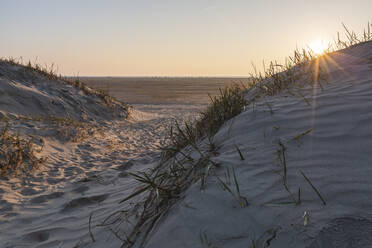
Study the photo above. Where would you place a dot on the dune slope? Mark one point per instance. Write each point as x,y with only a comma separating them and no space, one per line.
89,144
327,138
26,92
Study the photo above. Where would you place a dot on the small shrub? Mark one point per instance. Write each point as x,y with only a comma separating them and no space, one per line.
17,155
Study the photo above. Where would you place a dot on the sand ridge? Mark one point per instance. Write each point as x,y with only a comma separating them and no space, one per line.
80,178
329,140
65,202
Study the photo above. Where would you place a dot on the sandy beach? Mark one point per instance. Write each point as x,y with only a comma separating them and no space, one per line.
325,140
50,206
171,124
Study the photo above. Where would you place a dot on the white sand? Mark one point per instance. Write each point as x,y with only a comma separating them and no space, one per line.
336,156
52,207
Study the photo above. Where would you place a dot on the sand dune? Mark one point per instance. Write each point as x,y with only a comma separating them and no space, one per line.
335,154
51,206
83,179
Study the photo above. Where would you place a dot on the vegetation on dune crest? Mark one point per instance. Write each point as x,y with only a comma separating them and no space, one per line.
189,155
50,73
17,154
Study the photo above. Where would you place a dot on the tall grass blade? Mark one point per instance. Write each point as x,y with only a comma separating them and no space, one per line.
314,188
240,153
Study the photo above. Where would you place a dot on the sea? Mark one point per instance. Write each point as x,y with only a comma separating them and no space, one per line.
166,95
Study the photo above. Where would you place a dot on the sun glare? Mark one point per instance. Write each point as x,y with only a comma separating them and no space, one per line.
318,47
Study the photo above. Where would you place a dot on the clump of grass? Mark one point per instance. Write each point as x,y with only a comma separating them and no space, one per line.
302,68
352,38
162,186
222,108
17,155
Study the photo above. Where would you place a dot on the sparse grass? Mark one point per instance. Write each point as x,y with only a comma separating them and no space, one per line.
186,159
67,129
205,240
240,153
90,230
253,244
17,155
51,73
314,188
222,108
302,134
282,159
241,200
163,186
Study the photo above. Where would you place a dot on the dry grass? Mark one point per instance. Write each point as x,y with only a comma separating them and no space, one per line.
187,158
51,73
17,155
67,129
222,108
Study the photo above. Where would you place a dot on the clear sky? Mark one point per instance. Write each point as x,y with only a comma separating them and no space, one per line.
169,37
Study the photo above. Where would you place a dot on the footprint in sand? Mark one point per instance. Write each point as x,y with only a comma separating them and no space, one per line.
37,237
81,189
29,191
346,232
44,198
84,201
125,166
5,206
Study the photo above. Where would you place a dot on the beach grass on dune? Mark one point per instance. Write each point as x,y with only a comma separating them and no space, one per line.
17,155
187,157
17,152
51,73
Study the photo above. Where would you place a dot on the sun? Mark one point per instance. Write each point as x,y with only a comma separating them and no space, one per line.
318,47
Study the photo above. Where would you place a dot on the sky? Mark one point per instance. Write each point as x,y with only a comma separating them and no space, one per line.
169,37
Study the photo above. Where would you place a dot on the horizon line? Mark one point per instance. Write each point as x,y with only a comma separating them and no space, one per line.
139,76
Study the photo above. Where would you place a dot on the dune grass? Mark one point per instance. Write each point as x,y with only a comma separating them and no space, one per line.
17,155
180,166
229,103
51,73
282,158
187,158
68,129
314,188
241,200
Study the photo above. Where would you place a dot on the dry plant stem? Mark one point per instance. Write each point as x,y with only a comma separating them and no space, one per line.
284,163
240,153
302,134
90,230
314,188
243,202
